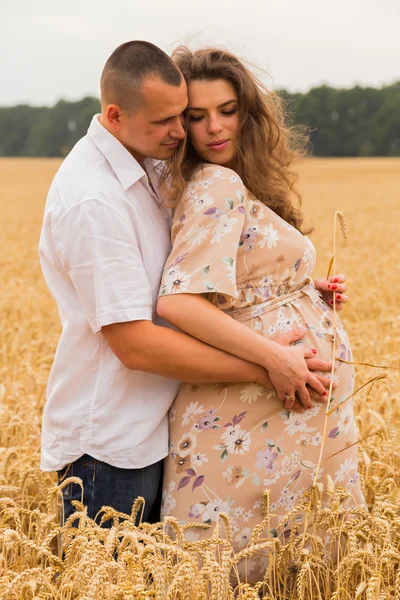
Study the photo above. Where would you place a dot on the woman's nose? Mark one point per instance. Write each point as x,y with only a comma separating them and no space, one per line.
214,125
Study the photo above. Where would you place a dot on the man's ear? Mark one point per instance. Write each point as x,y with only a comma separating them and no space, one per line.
112,116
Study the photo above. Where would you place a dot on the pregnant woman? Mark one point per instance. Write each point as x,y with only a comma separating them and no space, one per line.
240,273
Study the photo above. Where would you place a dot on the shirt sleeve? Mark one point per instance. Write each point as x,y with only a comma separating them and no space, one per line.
99,251
206,232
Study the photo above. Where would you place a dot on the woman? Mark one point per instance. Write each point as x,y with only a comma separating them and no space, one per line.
239,274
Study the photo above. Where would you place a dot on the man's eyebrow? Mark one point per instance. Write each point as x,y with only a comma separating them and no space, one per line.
219,106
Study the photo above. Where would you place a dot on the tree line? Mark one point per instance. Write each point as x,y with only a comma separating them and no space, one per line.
361,121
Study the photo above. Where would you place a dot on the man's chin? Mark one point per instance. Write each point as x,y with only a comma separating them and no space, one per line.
164,153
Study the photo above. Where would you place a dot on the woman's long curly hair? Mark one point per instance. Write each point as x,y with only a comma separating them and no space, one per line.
266,146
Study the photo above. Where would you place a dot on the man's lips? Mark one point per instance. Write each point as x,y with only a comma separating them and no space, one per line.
218,145
172,144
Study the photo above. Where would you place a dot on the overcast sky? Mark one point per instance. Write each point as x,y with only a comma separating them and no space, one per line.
52,49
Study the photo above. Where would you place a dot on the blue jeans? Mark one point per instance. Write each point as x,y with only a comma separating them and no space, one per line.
105,485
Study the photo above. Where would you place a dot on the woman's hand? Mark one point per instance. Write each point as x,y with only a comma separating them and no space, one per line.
290,375
313,364
333,285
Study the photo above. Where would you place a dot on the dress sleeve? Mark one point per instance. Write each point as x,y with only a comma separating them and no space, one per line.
206,233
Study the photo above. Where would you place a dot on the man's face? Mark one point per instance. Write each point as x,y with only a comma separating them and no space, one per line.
156,128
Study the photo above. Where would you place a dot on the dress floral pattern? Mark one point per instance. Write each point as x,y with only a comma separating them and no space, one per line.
229,442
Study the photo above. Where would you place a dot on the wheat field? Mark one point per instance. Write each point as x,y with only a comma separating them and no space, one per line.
343,556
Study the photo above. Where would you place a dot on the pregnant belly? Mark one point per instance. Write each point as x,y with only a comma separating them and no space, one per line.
257,402
316,317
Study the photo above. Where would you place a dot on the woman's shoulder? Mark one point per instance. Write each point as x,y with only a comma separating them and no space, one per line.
208,174
215,189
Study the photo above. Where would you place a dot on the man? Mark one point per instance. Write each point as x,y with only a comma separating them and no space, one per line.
104,242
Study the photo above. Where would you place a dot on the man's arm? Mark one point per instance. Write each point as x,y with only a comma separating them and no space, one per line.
144,346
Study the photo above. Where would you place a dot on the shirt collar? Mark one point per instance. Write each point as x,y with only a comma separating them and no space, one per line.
126,168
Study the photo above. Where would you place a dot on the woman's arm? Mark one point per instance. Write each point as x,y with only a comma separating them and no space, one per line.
286,366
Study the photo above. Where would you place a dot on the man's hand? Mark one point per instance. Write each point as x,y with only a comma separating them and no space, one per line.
333,285
314,364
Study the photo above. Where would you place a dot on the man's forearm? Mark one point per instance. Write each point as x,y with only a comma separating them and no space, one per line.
144,346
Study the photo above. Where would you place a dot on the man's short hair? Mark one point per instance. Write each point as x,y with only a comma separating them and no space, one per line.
127,68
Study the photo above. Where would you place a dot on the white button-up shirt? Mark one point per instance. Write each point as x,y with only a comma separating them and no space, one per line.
103,246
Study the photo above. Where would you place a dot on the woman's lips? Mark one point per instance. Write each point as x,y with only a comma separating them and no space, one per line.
218,146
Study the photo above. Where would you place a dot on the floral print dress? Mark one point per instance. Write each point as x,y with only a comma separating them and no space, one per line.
229,442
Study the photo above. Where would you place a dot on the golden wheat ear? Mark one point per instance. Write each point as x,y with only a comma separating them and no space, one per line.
343,224
339,216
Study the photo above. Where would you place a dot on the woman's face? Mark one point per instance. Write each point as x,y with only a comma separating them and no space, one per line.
213,113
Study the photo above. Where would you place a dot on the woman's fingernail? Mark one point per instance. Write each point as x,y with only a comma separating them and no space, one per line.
313,350
329,285
338,296
334,287
336,280
330,301
324,394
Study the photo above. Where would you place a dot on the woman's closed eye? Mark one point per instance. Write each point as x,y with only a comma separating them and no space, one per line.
196,118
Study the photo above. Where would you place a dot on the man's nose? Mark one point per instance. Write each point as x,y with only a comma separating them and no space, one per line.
178,130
